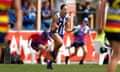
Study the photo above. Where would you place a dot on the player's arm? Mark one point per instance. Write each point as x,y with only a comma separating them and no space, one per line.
18,12
90,36
46,15
74,29
101,12
68,26
54,25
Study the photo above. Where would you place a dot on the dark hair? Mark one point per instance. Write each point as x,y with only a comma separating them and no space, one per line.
62,6
87,3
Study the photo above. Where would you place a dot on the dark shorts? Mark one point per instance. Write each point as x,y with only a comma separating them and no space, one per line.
35,45
2,37
51,33
78,44
113,36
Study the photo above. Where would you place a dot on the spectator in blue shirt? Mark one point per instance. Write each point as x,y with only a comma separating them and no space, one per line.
12,19
29,17
45,16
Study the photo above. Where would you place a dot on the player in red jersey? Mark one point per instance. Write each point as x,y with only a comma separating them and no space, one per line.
39,42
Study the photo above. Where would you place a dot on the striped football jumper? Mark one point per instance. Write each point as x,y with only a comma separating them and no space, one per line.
113,17
4,19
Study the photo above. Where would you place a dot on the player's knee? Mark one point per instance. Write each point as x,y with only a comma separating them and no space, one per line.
84,50
118,56
115,56
75,53
60,44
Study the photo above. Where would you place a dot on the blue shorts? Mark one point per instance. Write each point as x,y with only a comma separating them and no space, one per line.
2,37
113,36
35,45
78,44
51,33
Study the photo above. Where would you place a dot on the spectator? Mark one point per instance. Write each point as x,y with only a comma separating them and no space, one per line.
88,12
12,19
79,9
29,11
45,16
24,5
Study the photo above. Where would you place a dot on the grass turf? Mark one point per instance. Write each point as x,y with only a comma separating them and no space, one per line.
57,68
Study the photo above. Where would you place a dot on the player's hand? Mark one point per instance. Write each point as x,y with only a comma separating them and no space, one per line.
99,30
18,26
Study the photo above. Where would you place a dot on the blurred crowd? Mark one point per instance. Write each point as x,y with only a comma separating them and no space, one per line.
29,8
86,11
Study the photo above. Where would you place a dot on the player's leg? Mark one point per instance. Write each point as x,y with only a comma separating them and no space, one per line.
47,57
38,47
115,56
76,45
0,55
67,57
114,40
84,54
42,50
49,60
75,53
58,42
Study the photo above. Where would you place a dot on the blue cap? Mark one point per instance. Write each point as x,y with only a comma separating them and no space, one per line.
86,20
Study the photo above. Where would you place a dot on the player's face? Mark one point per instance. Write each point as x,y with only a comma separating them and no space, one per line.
47,4
84,23
65,10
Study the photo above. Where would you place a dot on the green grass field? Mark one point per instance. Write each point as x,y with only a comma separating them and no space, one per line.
57,68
